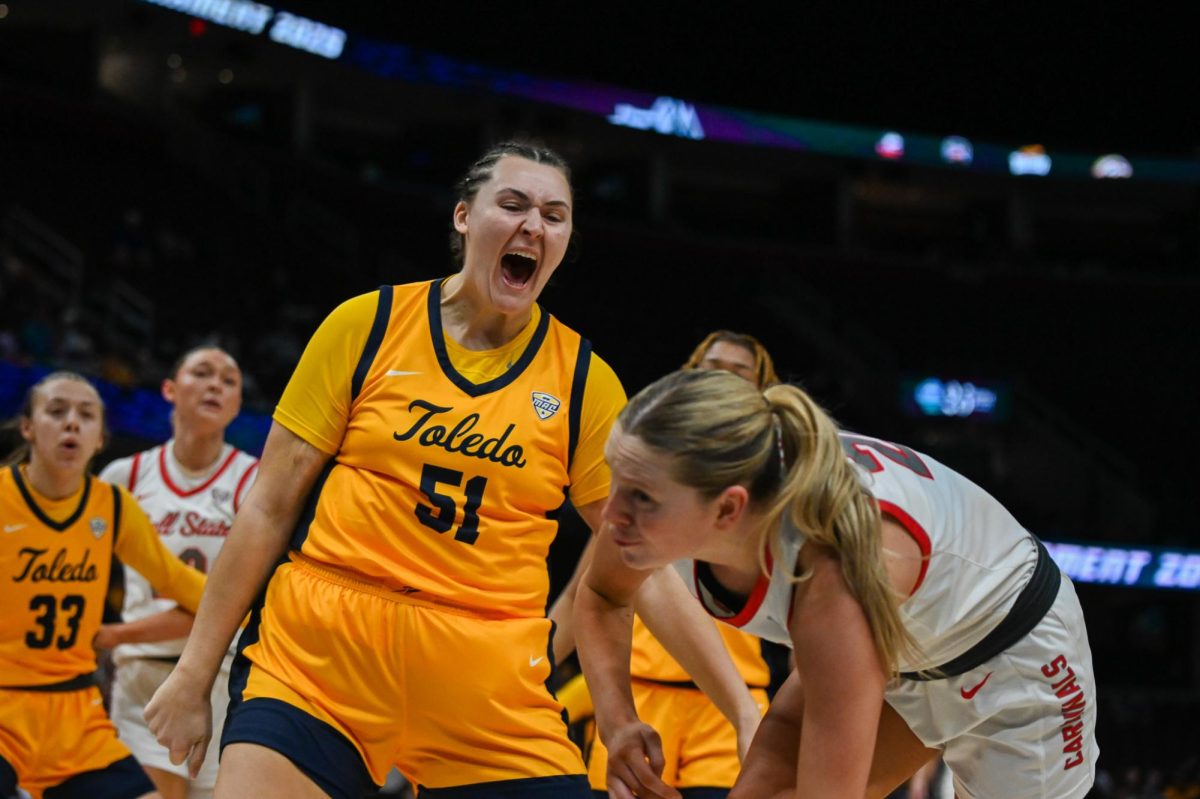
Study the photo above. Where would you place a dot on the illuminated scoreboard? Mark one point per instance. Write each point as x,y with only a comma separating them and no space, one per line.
1143,567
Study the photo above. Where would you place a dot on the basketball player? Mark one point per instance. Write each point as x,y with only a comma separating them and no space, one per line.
923,617
61,528
191,487
700,745
413,476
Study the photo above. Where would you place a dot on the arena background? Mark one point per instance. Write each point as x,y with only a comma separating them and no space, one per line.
170,174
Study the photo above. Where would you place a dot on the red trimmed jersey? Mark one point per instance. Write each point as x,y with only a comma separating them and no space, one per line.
978,556
192,515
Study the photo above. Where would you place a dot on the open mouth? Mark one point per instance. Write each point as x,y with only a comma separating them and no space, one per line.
517,268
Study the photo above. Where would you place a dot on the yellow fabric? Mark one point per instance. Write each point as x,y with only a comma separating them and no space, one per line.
435,490
49,737
699,744
455,698
649,660
56,581
577,699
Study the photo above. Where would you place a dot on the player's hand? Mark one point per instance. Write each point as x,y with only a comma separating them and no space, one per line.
180,717
108,636
635,764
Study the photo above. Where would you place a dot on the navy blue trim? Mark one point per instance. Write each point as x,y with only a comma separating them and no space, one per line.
42,517
116,514
570,786
322,753
300,534
1032,604
123,779
79,682
583,360
383,311
434,306
8,778
704,793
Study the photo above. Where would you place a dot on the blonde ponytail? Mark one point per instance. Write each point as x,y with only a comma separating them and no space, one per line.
824,499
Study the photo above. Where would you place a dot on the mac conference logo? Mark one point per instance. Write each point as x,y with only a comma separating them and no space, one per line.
546,405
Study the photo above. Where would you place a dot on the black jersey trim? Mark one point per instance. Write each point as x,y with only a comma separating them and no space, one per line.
583,362
116,514
37,511
1031,606
466,386
383,311
300,533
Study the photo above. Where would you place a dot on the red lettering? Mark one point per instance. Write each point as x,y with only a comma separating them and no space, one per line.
1074,706
1070,688
1072,731
1054,666
195,524
1072,762
1076,745
1070,676
167,522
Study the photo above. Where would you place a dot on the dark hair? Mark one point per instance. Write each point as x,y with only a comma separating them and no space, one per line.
480,172
764,367
207,345
20,453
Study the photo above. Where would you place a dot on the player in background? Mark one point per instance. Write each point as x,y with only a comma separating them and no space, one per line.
61,528
923,617
411,483
190,487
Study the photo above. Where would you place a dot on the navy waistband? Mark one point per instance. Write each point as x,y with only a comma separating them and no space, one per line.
1031,606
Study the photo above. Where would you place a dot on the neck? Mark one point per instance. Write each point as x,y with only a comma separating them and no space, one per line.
736,560
196,452
51,483
470,321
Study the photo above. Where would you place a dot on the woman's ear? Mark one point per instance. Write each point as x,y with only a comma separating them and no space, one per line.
461,212
731,505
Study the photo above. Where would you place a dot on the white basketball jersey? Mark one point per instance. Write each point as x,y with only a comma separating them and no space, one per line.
192,514
978,556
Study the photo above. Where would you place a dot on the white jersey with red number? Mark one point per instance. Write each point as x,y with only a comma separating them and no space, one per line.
192,513
978,556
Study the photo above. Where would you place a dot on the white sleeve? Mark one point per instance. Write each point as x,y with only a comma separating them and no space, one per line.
118,472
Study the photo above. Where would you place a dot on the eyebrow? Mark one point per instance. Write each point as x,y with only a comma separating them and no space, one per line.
525,197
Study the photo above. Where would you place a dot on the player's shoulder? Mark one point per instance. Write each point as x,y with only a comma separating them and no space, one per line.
120,471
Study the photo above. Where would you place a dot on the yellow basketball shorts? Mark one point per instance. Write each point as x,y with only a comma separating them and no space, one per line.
699,743
450,697
63,743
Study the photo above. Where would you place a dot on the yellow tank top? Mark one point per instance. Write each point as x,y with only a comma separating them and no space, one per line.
55,560
439,486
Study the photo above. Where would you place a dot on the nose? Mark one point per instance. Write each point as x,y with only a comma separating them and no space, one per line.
614,512
533,224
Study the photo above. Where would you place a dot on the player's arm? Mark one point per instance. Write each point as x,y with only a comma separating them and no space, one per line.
842,680
769,768
257,539
604,629
166,625
677,620
562,612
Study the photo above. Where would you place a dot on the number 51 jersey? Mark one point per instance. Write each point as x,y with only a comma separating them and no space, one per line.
441,487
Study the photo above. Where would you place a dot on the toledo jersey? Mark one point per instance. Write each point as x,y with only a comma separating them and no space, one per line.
441,487
978,557
192,516
55,559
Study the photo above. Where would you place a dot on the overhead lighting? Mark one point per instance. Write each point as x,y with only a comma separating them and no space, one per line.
890,146
1029,160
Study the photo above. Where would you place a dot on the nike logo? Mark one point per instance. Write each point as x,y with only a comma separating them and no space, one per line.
12,528
398,373
534,661
970,693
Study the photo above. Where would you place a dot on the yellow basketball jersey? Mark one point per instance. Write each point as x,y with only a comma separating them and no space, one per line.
649,660
55,559
442,487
